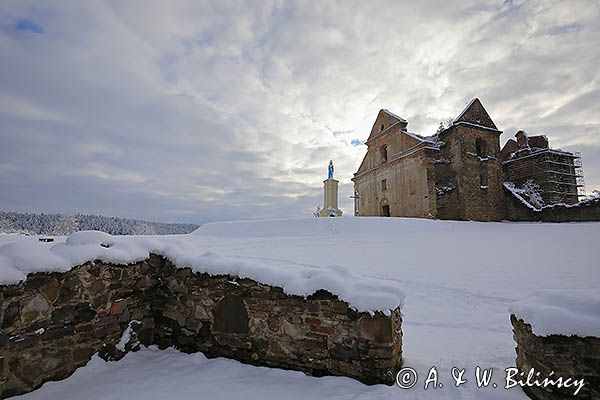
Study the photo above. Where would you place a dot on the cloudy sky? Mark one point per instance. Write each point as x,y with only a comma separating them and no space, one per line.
197,111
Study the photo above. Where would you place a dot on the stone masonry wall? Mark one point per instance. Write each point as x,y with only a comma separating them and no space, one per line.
259,324
517,211
52,323
567,356
478,177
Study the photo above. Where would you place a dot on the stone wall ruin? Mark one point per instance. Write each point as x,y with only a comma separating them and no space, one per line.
566,356
53,322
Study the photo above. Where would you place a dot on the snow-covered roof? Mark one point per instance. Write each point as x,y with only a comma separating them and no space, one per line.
527,152
561,312
520,195
394,115
433,139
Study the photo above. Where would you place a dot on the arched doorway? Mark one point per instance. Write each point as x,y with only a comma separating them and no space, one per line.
385,208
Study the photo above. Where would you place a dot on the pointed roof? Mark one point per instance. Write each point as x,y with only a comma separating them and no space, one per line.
388,112
475,114
384,121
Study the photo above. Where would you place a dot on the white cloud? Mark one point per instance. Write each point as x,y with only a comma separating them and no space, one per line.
188,111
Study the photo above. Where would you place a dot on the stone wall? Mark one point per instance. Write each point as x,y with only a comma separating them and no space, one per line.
517,211
477,193
567,356
52,323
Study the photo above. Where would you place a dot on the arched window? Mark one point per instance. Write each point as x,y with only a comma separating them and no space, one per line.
384,153
382,128
480,147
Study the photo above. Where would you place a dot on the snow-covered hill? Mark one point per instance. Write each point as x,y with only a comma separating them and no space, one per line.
460,279
65,224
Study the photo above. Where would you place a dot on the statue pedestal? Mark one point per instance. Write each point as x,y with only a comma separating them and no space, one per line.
330,199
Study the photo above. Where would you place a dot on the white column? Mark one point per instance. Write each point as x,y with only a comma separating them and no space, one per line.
330,198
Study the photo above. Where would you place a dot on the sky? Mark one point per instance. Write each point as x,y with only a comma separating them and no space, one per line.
195,111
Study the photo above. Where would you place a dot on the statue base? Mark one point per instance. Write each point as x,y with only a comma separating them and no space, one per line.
330,199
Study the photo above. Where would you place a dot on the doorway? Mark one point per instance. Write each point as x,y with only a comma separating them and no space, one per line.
385,210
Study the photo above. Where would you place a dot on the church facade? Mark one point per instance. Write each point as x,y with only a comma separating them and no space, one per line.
459,173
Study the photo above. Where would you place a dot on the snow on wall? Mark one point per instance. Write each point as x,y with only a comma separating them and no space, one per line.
530,190
561,312
19,258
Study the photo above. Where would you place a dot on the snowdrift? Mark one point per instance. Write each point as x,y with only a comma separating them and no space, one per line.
561,312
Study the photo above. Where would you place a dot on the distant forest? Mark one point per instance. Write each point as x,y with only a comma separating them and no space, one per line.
65,224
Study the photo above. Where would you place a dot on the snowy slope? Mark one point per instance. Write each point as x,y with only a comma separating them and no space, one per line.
460,279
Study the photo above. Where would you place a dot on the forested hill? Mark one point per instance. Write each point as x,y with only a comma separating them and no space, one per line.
65,224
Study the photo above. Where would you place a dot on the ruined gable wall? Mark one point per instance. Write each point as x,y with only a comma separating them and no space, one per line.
396,143
408,189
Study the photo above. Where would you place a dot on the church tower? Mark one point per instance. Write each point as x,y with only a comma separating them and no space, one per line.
472,167
330,195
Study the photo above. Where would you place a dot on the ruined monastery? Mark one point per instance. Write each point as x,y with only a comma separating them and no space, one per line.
461,173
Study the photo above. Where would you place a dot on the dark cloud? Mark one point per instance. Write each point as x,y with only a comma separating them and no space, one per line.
196,111
28,25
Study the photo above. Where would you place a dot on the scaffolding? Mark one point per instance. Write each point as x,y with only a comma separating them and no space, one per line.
579,174
558,173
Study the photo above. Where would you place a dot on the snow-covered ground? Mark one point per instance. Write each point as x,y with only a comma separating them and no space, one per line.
459,278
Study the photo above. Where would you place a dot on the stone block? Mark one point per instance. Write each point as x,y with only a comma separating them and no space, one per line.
313,306
11,314
84,313
9,389
117,307
70,287
50,289
35,281
83,354
230,315
376,328
345,353
322,329
340,307
63,315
